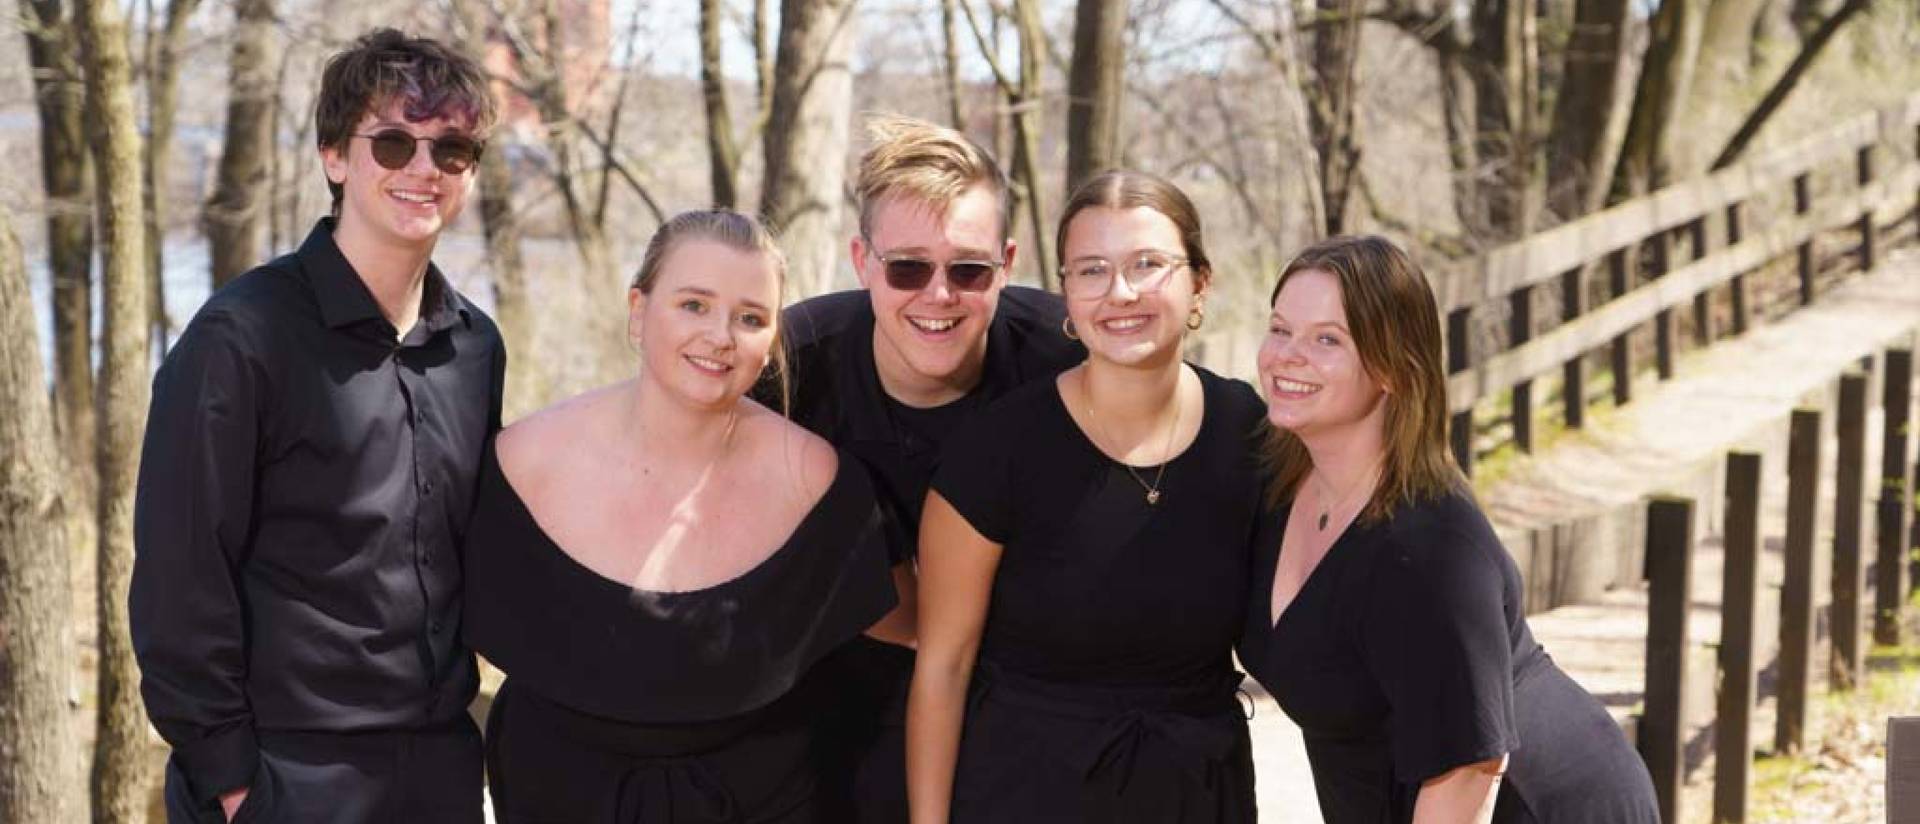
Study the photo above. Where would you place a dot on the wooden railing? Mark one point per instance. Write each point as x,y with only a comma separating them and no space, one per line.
1640,237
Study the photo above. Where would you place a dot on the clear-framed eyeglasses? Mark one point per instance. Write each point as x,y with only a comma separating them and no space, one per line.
1147,270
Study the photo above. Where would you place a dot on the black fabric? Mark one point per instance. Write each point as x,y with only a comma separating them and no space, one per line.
429,776
1406,654
836,393
623,681
304,482
1099,593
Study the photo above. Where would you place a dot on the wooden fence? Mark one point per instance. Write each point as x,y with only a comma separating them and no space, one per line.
1635,245
1662,731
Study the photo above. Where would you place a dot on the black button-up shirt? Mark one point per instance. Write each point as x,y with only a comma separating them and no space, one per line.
305,481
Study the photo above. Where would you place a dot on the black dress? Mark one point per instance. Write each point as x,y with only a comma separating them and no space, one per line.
626,706
836,393
1405,654
1104,689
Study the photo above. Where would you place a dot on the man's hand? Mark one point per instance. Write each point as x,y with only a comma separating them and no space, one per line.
231,800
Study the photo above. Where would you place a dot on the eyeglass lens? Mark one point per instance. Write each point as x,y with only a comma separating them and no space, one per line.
453,154
913,274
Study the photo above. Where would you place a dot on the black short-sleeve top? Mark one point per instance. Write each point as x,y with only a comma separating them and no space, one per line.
1095,585
608,649
1400,654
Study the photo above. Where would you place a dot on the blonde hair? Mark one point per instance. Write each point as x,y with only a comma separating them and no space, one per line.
1396,331
736,231
928,162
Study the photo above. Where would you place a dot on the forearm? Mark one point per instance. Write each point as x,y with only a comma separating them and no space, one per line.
936,710
1463,795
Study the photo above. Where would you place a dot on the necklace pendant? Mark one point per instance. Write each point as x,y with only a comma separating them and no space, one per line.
1323,522
1153,497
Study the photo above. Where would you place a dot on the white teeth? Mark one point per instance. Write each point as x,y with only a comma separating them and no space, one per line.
415,197
933,325
1296,387
707,363
1124,324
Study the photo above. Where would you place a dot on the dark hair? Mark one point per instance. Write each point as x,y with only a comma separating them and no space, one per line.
1396,331
1123,189
384,65
734,230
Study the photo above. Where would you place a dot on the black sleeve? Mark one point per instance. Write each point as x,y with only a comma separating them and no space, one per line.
193,512
1436,638
973,477
497,390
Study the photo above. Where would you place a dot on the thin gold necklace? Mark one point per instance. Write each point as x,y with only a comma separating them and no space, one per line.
1321,523
1152,489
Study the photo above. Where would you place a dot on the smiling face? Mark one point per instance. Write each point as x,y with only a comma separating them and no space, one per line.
929,343
404,207
707,326
1125,325
1310,369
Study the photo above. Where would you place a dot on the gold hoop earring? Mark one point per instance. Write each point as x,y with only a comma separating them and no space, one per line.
1196,317
1066,328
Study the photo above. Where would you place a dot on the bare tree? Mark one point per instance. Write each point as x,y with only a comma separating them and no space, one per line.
950,64
1582,142
66,173
807,135
1665,76
1777,94
1331,121
1094,86
1022,95
235,215
120,766
723,149
163,82
39,780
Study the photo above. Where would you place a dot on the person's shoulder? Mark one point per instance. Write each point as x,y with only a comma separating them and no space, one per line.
477,320
801,461
1032,320
1442,537
529,448
249,310
825,318
1234,399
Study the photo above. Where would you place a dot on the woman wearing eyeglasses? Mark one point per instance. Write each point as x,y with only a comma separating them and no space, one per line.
1385,615
1084,556
657,564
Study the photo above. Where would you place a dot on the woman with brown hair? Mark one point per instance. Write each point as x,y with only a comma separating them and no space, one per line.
1385,615
1083,556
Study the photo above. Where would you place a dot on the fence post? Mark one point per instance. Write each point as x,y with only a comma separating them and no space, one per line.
1573,375
1802,204
1660,244
1669,589
1868,241
1733,721
1849,505
1459,357
1796,596
1890,561
1520,327
1903,771
1619,282
1742,308
1703,302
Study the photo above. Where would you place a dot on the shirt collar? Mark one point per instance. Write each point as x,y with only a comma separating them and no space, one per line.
344,298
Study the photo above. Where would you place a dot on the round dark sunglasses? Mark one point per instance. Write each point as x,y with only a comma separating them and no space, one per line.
911,274
452,153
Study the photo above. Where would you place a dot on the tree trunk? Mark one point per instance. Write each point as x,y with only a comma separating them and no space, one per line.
67,174
1027,105
1095,82
950,65
1583,140
807,136
1336,53
39,780
527,388
1777,95
723,155
120,775
1665,76
236,212
1726,43
1504,72
162,95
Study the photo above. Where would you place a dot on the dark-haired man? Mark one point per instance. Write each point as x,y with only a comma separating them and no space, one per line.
309,461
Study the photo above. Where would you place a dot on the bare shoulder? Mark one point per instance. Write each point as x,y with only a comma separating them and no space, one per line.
801,464
534,448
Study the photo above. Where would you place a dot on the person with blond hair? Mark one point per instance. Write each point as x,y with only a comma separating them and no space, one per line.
1385,616
656,564
889,370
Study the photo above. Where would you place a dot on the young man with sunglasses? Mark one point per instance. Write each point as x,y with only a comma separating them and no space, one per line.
309,463
887,371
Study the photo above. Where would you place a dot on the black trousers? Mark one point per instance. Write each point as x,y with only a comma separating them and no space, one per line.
424,776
